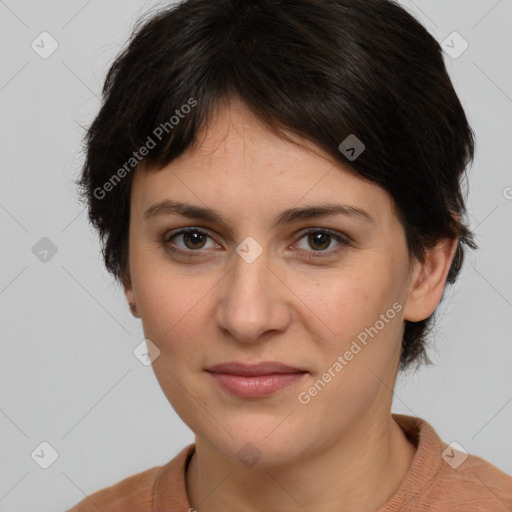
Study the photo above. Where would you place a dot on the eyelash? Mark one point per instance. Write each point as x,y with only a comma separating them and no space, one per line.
343,240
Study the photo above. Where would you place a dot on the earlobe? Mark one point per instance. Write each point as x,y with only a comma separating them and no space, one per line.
133,309
130,295
429,279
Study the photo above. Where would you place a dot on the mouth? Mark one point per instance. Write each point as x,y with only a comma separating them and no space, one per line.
255,381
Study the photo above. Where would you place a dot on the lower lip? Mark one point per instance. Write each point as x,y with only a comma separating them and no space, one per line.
256,386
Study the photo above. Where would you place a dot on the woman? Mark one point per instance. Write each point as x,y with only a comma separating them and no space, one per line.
277,187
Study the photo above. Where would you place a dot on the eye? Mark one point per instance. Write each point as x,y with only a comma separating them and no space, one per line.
321,239
192,240
317,240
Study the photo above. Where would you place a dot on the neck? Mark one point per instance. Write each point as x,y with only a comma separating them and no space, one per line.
357,473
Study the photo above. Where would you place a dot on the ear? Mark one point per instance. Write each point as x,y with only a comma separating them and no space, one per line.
129,294
428,280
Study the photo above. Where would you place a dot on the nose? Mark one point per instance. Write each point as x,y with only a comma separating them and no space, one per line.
253,300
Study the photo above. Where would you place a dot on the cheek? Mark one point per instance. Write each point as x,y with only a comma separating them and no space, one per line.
362,306
173,317
176,305
172,308
352,298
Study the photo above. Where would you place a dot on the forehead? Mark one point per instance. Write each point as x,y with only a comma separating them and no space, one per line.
238,163
233,125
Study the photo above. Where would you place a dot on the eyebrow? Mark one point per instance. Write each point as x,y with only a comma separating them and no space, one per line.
168,207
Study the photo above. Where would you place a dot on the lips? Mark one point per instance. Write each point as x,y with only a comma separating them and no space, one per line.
250,370
255,381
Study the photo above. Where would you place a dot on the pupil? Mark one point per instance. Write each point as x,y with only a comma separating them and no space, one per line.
319,237
194,238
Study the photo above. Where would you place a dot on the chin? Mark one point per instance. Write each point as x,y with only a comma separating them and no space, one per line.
261,444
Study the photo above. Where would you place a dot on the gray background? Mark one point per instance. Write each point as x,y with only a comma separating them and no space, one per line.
68,374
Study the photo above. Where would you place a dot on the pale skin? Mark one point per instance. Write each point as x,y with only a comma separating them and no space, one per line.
341,451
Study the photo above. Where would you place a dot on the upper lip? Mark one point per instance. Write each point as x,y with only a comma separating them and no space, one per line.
245,369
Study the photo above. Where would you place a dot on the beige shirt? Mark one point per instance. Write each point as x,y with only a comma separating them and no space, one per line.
437,480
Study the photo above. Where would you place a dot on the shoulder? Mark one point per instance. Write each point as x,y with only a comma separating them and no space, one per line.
442,477
133,493
157,488
474,485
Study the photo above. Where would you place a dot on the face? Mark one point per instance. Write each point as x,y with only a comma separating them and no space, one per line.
305,291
